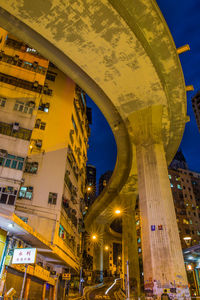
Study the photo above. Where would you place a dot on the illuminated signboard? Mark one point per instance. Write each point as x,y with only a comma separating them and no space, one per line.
24,256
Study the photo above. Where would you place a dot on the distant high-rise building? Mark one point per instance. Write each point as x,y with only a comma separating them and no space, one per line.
185,186
103,180
90,184
179,161
196,108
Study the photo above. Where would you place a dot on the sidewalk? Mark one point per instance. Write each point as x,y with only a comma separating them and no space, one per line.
73,295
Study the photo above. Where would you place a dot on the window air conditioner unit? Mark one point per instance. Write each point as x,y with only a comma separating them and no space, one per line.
38,143
3,152
15,126
29,188
16,57
1,54
35,64
35,84
9,189
31,103
47,105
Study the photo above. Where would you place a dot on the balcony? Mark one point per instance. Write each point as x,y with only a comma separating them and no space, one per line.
11,43
24,84
21,133
14,60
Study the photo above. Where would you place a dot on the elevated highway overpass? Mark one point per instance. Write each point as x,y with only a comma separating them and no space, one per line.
123,55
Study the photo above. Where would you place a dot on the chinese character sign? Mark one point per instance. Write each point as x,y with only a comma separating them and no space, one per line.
24,256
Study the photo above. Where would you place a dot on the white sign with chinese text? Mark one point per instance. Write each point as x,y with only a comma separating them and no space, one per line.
24,256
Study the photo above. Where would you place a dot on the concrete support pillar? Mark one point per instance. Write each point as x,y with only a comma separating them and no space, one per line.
98,262
27,287
129,245
50,292
161,248
44,291
54,292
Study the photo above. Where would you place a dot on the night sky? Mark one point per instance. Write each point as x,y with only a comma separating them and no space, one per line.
183,19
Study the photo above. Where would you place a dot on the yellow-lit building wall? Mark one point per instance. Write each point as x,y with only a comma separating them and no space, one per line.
3,235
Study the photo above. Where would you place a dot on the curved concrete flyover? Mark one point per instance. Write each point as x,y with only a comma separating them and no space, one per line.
121,53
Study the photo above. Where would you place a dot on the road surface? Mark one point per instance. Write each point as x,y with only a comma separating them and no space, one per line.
107,291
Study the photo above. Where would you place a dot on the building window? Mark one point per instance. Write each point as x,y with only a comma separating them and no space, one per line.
12,161
26,192
23,107
179,187
8,195
31,167
52,198
74,125
190,221
40,125
24,219
51,76
44,107
2,102
185,221
80,142
171,185
170,177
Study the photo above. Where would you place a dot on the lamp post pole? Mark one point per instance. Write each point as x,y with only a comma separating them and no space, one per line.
128,283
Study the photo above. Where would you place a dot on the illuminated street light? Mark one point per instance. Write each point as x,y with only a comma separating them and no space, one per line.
94,237
189,267
117,211
119,257
106,248
89,188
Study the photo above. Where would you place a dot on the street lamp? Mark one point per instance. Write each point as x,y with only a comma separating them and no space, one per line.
94,237
117,211
106,248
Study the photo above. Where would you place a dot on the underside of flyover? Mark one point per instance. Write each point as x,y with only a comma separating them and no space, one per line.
122,54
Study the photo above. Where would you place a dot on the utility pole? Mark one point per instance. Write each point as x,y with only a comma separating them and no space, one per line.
128,284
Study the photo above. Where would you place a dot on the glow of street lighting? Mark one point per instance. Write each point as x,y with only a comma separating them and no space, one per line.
106,248
94,237
118,211
89,188
119,257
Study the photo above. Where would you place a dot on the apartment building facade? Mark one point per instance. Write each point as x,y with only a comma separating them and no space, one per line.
43,152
